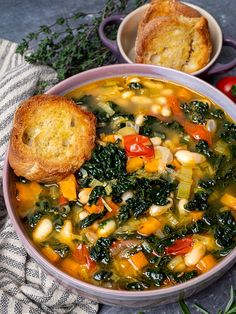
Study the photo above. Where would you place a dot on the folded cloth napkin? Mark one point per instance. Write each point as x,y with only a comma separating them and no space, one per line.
24,286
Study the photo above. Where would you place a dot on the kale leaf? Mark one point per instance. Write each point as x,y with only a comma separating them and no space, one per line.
198,202
100,251
102,275
155,276
107,162
97,192
228,133
202,147
89,220
196,111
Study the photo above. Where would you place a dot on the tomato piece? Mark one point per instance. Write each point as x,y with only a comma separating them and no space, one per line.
63,200
197,131
180,246
227,85
81,255
138,145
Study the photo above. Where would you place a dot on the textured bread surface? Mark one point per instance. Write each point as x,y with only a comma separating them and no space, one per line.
173,35
51,138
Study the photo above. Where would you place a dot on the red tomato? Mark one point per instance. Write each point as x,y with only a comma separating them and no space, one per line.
198,132
63,200
81,255
180,247
228,86
138,145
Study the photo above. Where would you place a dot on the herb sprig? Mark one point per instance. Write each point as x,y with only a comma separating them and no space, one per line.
71,44
229,309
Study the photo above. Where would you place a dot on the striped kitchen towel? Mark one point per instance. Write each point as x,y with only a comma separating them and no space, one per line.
24,286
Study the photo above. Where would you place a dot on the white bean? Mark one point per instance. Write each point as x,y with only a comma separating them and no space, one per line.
156,141
163,153
182,202
211,125
157,210
197,252
141,100
153,84
106,228
139,119
83,214
187,157
166,112
84,195
127,94
155,109
133,80
167,92
161,100
42,230
125,196
91,236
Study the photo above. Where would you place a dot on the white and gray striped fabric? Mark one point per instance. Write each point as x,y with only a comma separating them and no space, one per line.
24,286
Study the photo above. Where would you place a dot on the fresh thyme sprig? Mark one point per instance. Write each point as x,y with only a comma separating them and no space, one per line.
229,309
71,45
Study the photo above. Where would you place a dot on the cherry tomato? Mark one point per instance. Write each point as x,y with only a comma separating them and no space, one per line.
228,86
81,255
138,145
180,246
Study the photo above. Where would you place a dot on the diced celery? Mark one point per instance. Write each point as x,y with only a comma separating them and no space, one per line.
95,183
222,148
106,107
184,189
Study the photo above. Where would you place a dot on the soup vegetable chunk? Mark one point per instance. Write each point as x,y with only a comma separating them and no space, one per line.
156,203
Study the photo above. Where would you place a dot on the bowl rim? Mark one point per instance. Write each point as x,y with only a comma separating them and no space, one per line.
202,11
69,84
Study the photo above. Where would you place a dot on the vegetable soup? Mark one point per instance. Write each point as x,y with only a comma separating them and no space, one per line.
156,203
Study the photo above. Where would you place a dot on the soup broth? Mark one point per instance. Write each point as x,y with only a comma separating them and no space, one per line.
156,204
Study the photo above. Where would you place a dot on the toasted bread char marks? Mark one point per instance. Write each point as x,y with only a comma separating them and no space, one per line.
51,138
174,35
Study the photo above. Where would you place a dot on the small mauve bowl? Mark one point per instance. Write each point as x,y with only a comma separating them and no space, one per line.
136,299
123,46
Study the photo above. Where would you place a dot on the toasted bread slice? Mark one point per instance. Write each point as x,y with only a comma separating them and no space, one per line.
51,138
159,8
179,42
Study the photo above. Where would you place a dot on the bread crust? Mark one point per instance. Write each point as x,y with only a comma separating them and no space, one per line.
51,138
160,16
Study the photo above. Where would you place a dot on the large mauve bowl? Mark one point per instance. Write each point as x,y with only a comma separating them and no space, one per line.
138,299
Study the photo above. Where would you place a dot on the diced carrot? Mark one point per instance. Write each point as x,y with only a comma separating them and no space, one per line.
151,166
206,263
138,260
113,206
134,164
229,200
196,215
27,194
70,266
109,138
68,187
176,164
149,226
185,94
95,208
123,268
50,254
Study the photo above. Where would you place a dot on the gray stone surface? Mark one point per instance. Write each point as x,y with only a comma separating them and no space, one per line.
19,17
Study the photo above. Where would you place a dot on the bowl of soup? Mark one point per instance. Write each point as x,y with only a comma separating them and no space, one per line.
150,218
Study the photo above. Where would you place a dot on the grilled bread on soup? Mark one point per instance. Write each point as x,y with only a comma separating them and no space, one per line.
51,138
174,35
